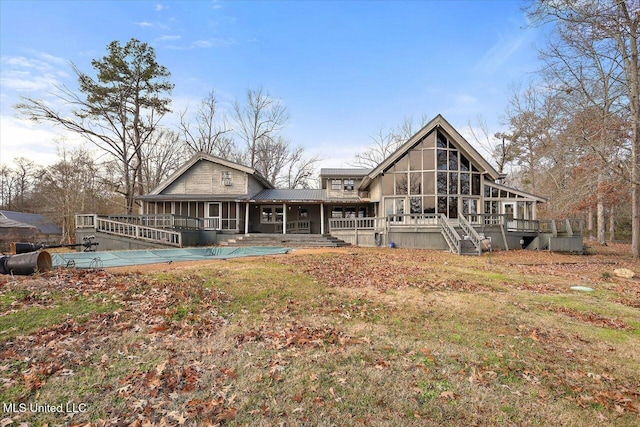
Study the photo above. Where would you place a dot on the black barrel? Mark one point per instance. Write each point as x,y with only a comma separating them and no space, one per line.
23,248
25,264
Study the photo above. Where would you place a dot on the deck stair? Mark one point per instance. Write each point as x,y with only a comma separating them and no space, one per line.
288,240
461,237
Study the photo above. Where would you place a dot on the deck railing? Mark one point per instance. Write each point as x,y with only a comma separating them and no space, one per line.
413,220
211,223
161,221
127,229
367,223
302,226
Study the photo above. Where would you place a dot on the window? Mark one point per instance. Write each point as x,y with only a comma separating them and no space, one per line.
226,178
350,212
336,212
336,184
401,184
271,214
348,185
415,205
267,215
475,184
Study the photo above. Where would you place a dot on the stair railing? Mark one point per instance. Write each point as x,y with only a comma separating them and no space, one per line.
471,232
450,234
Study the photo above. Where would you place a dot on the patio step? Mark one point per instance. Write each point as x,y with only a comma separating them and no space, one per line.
288,240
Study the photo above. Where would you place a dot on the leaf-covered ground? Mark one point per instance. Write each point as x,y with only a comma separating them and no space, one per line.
343,337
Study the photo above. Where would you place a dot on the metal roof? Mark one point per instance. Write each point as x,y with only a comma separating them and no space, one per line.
191,197
290,195
21,219
344,172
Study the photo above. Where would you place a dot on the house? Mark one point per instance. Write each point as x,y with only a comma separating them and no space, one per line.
435,191
26,227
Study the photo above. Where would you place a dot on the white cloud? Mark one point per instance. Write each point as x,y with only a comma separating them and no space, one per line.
202,44
161,7
466,100
503,50
217,4
23,81
169,37
205,44
23,138
52,59
143,24
22,74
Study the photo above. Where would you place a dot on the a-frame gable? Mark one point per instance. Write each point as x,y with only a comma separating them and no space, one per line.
208,157
461,144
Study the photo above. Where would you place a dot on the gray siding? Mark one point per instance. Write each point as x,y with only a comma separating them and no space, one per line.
254,186
205,177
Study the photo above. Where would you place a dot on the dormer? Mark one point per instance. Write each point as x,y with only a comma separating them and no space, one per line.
343,183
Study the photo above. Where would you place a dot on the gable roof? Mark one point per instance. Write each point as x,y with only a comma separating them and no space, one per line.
210,158
11,219
435,123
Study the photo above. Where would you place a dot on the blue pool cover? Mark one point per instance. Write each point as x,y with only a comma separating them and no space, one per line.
154,256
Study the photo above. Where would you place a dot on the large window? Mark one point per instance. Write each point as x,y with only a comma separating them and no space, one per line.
336,184
271,214
433,177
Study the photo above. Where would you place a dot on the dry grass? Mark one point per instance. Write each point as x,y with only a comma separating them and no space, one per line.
346,337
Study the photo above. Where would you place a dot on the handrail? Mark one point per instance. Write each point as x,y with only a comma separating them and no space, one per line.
471,232
138,232
86,220
412,220
365,223
295,226
450,234
161,220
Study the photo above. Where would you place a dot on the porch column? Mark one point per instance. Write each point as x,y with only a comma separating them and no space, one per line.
246,218
237,217
284,218
321,218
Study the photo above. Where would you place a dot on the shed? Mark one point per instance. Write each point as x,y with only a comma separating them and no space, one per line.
26,227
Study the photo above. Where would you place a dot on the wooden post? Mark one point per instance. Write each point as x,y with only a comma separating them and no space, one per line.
284,218
246,219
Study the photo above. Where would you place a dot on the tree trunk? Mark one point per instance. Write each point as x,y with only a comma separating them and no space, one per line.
612,226
600,209
590,223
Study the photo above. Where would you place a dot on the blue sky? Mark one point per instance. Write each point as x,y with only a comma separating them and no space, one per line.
342,69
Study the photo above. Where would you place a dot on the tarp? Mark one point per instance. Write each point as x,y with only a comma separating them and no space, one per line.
125,258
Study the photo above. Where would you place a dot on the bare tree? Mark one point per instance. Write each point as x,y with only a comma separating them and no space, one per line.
210,133
162,156
271,157
597,42
70,186
385,143
258,123
497,147
118,111
8,180
300,170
